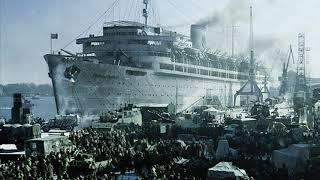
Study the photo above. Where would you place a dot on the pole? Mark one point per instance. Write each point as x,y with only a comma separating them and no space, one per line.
176,96
51,45
128,97
251,72
146,18
225,87
232,39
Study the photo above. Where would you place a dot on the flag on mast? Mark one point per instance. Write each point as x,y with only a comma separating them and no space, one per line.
54,36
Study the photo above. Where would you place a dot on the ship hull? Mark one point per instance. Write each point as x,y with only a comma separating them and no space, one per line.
100,87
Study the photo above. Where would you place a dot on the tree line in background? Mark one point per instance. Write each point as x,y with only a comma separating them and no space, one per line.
27,89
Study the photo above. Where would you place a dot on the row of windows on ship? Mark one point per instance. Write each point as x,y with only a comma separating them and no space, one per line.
164,94
133,41
214,63
204,72
190,70
180,87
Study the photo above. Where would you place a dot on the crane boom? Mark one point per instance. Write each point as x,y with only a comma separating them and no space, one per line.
289,56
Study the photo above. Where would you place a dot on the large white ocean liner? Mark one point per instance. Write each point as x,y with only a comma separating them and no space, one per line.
134,63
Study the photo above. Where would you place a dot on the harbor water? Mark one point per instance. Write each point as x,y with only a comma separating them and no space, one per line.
43,107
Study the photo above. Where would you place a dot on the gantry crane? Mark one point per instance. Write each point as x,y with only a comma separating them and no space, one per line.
301,91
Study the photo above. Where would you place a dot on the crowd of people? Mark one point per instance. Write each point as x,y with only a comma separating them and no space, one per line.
126,152
109,153
42,167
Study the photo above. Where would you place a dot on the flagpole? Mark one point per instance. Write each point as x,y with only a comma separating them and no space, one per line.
50,44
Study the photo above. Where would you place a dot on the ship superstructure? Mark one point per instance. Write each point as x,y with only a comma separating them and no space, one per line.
136,63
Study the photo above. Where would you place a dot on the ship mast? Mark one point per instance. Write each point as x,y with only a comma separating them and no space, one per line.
251,70
250,88
145,12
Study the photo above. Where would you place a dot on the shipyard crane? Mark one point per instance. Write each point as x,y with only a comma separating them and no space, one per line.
301,92
250,88
284,86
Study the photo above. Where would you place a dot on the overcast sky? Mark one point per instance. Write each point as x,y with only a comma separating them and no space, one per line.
27,24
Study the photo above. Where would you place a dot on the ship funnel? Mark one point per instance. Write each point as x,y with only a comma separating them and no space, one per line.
198,38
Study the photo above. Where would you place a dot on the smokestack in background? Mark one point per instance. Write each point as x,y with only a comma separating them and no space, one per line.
198,36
